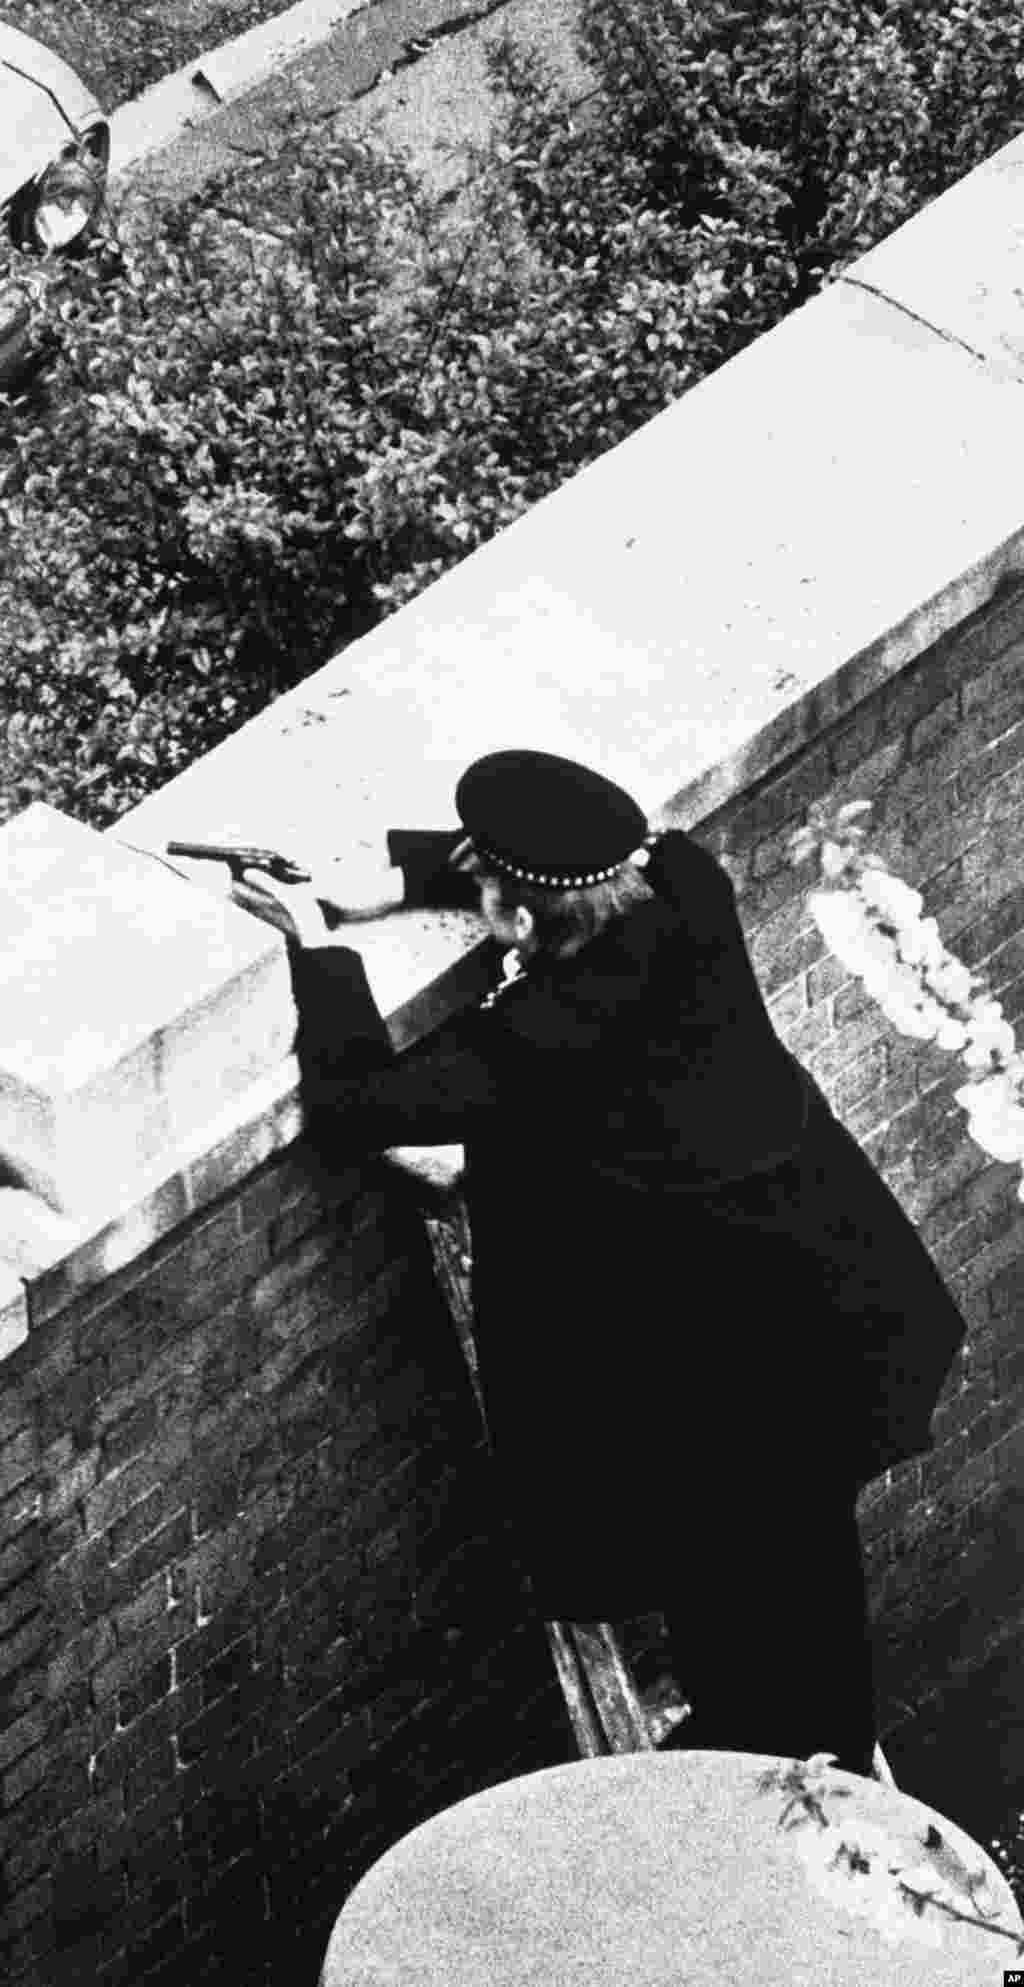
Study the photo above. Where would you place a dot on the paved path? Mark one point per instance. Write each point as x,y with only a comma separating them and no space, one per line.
411,71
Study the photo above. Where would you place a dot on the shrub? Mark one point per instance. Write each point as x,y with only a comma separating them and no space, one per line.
177,512
267,431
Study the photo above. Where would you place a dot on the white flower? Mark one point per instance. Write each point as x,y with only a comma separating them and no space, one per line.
915,982
888,894
934,950
903,982
995,1116
985,1013
989,1030
911,1020
976,1098
1007,1146
950,979
834,860
910,993
910,945
879,949
988,1038
919,944
842,924
900,995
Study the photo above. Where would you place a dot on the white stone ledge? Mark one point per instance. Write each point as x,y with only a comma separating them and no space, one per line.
134,1009
48,1270
48,1261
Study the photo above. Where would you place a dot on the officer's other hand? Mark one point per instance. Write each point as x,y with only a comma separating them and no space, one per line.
292,907
343,890
359,884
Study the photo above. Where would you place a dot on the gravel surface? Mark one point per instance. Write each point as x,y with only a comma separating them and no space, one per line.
118,47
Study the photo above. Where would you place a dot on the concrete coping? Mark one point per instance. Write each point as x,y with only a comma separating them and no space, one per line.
47,1260
685,614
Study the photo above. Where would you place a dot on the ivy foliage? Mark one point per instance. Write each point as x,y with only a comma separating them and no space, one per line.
284,410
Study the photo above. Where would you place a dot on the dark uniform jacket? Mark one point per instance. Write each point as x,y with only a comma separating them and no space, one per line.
688,1280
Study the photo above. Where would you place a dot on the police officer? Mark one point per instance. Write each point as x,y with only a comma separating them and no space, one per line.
703,1321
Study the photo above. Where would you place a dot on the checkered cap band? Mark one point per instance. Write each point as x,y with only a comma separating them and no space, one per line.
545,879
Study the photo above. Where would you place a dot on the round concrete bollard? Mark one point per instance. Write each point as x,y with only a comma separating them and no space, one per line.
656,1870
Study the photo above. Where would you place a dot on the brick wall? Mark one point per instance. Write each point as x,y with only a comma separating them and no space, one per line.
257,1617
242,1504
939,750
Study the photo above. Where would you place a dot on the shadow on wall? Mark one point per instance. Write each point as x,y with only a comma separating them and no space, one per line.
962,1748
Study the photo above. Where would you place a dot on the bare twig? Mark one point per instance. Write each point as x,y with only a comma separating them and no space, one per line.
919,1898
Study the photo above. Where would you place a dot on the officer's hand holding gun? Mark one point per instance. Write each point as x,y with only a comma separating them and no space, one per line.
303,903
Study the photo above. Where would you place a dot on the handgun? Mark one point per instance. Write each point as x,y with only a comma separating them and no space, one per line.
240,856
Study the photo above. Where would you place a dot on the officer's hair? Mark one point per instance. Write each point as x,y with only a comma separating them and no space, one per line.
565,920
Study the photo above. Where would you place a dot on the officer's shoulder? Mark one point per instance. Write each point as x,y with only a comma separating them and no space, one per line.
682,869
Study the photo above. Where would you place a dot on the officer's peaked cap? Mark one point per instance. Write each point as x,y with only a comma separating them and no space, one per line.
546,820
